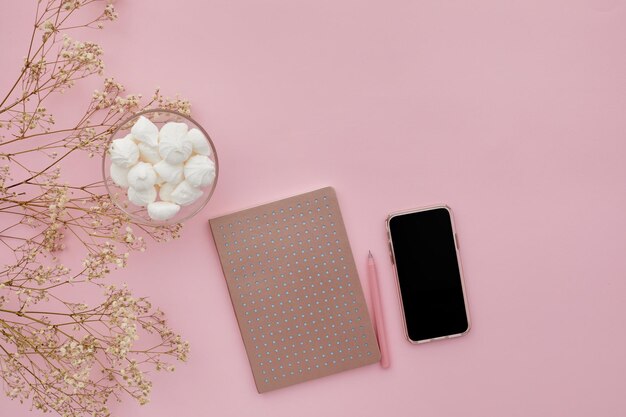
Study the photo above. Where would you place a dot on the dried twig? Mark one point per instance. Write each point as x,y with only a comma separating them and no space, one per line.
58,353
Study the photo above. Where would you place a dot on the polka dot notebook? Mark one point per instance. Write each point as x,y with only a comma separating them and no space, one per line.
295,289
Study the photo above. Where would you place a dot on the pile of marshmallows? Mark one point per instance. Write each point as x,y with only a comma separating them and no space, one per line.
172,164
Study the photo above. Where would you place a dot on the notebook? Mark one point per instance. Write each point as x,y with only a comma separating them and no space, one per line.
295,289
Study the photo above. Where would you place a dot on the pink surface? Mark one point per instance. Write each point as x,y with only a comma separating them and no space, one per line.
510,112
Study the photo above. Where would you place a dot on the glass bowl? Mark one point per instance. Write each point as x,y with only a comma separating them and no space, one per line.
119,195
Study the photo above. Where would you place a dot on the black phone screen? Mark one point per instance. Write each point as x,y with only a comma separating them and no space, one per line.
428,274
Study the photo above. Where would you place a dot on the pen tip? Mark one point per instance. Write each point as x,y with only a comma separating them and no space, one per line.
370,254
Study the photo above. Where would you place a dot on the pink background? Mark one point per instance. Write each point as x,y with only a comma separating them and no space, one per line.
511,112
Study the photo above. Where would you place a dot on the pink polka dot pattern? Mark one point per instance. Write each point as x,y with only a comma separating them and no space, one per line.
295,289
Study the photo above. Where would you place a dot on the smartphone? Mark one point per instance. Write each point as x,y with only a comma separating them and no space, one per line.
425,254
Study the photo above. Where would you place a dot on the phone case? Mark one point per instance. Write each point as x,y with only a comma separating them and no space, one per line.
458,258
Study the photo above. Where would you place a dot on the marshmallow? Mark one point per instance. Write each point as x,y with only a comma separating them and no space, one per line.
119,175
185,194
142,197
142,176
170,173
165,192
173,145
149,153
199,171
173,131
145,131
162,210
199,143
124,152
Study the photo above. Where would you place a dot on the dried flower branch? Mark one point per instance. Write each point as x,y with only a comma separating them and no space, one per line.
59,353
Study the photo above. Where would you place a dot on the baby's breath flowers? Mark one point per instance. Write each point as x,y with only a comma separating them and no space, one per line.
57,352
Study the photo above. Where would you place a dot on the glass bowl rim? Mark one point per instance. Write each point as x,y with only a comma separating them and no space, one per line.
169,222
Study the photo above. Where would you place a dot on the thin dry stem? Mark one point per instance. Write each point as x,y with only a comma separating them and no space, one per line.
58,353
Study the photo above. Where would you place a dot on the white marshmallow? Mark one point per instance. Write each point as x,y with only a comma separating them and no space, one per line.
124,152
199,142
162,210
119,175
169,173
175,152
145,131
142,197
173,131
173,145
149,153
142,176
185,194
199,171
165,191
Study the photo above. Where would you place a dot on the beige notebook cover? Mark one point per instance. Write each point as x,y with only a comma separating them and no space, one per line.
295,289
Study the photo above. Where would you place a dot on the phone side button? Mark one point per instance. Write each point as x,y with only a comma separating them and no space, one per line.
456,240
391,254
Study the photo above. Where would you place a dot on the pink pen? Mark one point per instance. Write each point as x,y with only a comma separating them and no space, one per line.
378,312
